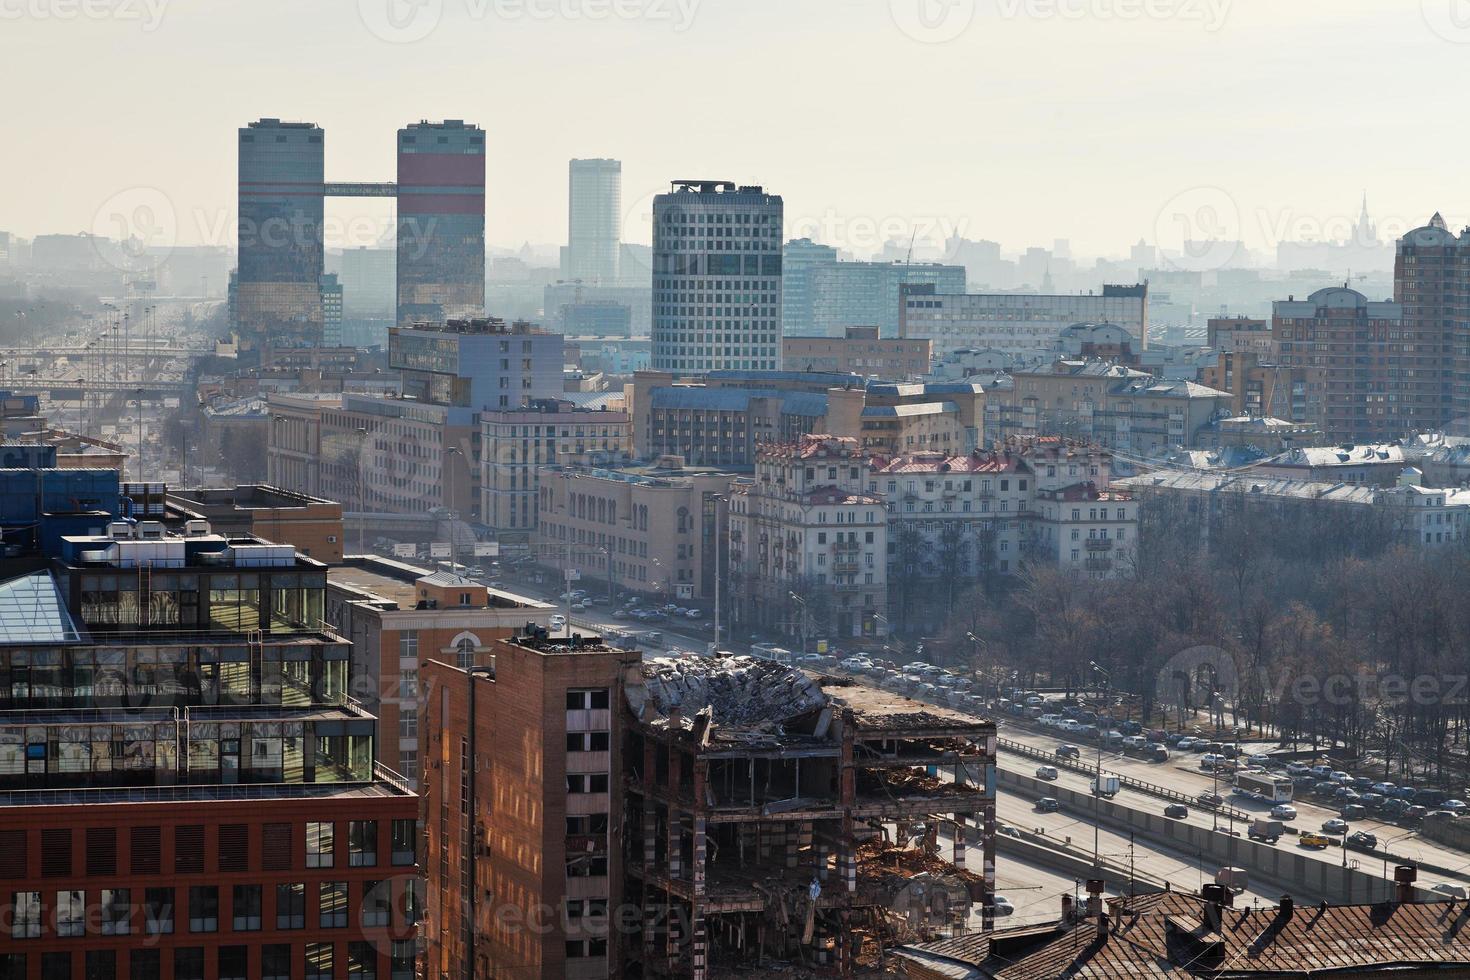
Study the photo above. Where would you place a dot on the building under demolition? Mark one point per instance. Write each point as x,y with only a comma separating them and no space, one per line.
770,816
691,817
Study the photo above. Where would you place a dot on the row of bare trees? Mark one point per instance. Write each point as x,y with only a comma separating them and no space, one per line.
1313,623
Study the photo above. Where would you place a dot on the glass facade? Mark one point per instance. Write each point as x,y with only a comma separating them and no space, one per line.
441,221
594,209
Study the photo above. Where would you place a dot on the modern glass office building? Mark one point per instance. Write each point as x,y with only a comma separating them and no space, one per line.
594,216
278,295
441,221
822,297
716,277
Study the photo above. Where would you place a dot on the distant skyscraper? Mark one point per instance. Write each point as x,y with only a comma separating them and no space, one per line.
716,277
278,291
594,214
331,291
441,221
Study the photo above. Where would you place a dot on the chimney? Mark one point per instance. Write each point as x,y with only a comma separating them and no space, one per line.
1095,888
1069,910
1102,927
1213,907
1288,907
1404,877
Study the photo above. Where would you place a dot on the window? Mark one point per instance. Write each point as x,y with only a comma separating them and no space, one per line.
189,849
55,966
405,835
203,908
291,906
319,845
464,651
158,911
362,961
234,962
408,645
145,964
588,741
402,962
71,914
245,908
587,700
275,961
117,910
189,963
377,902
27,921
319,961
362,843
333,904
101,964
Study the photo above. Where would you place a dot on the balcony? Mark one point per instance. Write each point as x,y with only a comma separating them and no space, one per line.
1099,544
1099,564
845,567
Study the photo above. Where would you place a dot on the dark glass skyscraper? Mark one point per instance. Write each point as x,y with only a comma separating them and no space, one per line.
717,277
278,292
441,221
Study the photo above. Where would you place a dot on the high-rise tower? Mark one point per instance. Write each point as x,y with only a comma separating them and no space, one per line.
441,221
594,213
716,277
278,293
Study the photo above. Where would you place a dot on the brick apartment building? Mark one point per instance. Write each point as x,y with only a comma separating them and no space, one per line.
398,617
669,817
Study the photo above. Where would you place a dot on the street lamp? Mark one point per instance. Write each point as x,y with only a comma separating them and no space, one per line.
449,477
801,602
1102,736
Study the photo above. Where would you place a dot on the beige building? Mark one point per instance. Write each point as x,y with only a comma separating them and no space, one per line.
808,543
905,418
515,445
649,529
859,351
1097,401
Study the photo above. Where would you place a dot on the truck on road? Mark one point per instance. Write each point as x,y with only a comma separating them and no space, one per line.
1106,785
1235,879
1269,831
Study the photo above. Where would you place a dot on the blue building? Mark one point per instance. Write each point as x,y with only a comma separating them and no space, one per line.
480,365
823,297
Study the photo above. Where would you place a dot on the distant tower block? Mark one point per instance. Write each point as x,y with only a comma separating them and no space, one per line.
441,221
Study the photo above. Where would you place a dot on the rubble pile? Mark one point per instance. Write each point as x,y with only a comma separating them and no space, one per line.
741,692
878,857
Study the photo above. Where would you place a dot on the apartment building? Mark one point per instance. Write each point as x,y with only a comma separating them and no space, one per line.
808,543
1017,323
859,350
526,737
1097,401
398,617
515,445
652,529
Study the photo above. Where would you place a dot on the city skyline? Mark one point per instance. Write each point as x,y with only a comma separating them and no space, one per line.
850,188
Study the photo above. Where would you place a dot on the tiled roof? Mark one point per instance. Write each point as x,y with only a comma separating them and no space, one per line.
1152,938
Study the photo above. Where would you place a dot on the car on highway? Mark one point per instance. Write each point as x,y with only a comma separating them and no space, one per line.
1373,801
1385,789
1176,811
1321,771
1338,776
1006,830
1283,811
1155,752
1452,890
558,623
1210,800
1047,804
1314,841
1003,906
1394,809
1295,769
1457,807
1354,812
1415,813
1362,841
1325,788
857,665
1068,751
1048,773
1184,742
1334,826
1210,761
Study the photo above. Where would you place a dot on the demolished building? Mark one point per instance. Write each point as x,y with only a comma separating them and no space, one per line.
772,817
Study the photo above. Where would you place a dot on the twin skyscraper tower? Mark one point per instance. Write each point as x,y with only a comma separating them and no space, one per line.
277,295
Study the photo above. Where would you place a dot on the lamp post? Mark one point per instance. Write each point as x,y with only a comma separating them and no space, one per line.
449,477
801,602
1102,735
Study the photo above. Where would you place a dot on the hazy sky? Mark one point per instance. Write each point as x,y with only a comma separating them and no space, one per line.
1016,120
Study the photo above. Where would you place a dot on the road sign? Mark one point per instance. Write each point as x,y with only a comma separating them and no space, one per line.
440,550
487,549
405,551
573,575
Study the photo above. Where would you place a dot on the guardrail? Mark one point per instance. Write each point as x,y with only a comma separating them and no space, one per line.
1137,785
